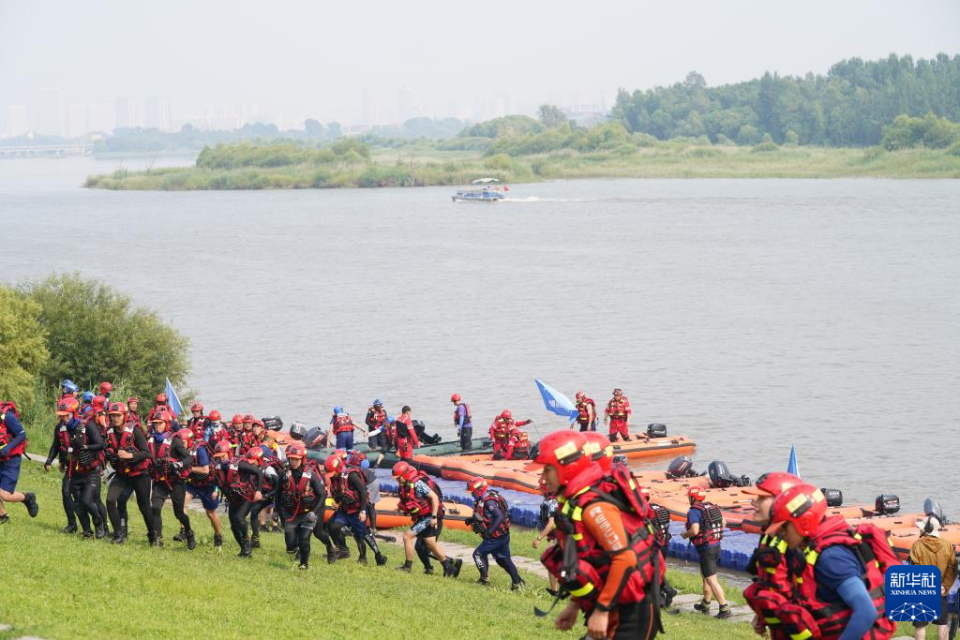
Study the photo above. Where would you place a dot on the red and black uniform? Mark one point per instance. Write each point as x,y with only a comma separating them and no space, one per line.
518,446
169,470
301,501
491,520
6,434
240,481
83,447
771,583
60,455
415,502
219,433
407,439
349,490
804,614
587,421
131,476
376,421
617,562
199,427
619,411
500,432
272,473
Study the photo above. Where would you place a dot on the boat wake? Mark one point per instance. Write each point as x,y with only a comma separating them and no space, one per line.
530,199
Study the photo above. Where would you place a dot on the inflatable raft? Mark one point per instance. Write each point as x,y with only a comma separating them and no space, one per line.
450,448
390,517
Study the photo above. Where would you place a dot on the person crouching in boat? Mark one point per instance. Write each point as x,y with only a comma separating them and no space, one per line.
500,433
491,520
768,564
605,555
836,577
421,499
617,416
518,444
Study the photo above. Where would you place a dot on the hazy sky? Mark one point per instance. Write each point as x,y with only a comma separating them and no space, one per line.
316,58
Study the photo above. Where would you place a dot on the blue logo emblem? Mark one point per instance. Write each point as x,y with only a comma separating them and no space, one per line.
913,593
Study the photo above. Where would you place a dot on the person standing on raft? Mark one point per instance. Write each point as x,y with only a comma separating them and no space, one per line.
586,412
617,416
463,421
407,439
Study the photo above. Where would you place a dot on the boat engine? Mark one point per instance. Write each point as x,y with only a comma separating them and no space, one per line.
657,430
721,478
272,423
887,504
932,508
316,438
422,436
681,467
834,497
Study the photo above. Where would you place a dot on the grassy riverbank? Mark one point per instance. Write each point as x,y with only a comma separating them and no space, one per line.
419,167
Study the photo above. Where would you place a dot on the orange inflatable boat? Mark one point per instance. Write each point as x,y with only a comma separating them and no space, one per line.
390,517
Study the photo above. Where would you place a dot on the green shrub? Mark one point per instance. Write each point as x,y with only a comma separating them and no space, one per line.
23,348
764,147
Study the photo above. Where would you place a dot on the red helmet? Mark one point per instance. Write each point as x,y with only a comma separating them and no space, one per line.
600,449
455,398
296,450
133,399
237,419
215,416
223,448
161,416
411,475
99,403
803,505
697,494
161,398
477,486
563,450
354,458
258,423
68,406
196,406
186,435
105,388
334,463
506,414
399,469
249,417
617,392
255,454
117,408
581,395
772,484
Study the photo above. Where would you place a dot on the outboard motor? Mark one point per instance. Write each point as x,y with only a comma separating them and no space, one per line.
887,504
721,478
272,423
620,459
681,467
657,430
316,438
932,508
422,436
834,497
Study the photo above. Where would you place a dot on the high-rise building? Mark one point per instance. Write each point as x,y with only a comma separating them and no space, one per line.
17,124
125,112
370,108
77,119
404,104
50,112
101,117
156,113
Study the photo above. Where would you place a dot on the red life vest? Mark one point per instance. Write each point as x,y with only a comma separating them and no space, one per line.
417,507
809,617
521,445
270,481
200,481
237,484
479,512
346,495
771,583
390,431
298,497
583,416
711,524
500,429
467,418
584,580
376,418
6,436
661,525
342,423
198,426
126,442
162,469
618,409
218,434
79,462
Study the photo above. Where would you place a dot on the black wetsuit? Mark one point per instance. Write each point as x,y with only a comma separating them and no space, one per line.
122,486
83,472
173,487
300,514
58,454
238,508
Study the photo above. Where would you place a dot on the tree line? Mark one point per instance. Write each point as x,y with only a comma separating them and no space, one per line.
849,106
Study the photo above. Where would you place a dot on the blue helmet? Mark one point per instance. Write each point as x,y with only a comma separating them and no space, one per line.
69,386
391,419
88,396
338,410
378,402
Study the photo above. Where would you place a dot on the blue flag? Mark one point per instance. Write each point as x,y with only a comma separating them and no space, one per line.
173,400
792,466
556,402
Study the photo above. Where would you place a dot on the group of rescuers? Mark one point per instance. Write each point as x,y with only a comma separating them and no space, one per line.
815,575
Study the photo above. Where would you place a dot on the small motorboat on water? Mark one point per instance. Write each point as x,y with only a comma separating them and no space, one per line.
487,192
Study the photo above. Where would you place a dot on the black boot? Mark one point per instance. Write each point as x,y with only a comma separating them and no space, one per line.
180,537
30,502
406,566
255,542
191,541
158,541
518,585
217,540
4,519
245,548
118,538
102,531
70,528
451,567
343,553
331,555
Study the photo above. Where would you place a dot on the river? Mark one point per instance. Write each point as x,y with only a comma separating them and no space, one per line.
749,315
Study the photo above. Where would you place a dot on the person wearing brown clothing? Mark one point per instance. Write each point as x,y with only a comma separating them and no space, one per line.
930,549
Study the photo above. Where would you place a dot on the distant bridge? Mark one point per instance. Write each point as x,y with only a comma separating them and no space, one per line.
47,150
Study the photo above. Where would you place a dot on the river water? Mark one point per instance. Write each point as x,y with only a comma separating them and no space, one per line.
748,315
